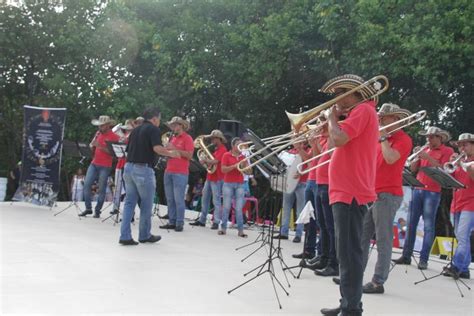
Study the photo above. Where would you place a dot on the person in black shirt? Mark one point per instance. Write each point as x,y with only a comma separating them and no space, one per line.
143,145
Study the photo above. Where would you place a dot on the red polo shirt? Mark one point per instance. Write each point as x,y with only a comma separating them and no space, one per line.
463,199
442,154
181,164
389,178
234,175
217,175
352,167
101,157
322,173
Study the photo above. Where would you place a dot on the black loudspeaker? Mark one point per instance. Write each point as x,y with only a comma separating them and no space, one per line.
231,129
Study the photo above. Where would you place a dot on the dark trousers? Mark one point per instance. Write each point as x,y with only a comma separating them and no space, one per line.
326,226
348,220
312,227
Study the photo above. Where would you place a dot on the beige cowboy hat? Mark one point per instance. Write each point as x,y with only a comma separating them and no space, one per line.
349,82
128,126
103,119
393,109
178,120
433,130
217,134
465,137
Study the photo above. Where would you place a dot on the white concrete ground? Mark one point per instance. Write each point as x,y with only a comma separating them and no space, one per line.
62,265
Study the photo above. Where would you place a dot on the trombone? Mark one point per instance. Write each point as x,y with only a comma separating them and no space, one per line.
303,120
405,122
204,153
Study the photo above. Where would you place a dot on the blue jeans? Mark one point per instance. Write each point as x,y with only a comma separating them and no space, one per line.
326,224
175,187
310,194
211,189
94,172
463,224
141,184
423,203
288,201
237,191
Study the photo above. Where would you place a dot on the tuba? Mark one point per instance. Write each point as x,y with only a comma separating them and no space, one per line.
204,153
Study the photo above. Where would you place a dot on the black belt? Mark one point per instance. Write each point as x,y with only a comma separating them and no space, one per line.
144,164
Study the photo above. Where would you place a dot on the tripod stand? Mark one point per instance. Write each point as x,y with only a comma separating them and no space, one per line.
72,204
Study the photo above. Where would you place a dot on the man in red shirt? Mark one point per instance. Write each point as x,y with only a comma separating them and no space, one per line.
177,172
351,182
101,164
214,181
425,200
392,152
463,215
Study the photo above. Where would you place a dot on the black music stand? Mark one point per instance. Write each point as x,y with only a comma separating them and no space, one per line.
118,150
73,149
446,181
274,166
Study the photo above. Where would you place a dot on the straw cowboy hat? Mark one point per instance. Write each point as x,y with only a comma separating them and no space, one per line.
393,109
433,130
128,126
178,120
349,82
217,134
103,119
463,138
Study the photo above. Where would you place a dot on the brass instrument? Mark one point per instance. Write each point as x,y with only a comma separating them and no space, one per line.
165,138
303,120
204,153
415,156
404,122
452,166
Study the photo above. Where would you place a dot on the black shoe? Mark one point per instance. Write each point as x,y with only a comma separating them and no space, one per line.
197,223
451,271
178,228
305,254
152,239
280,237
331,311
337,281
215,226
168,226
297,239
164,216
328,271
96,215
129,242
321,264
372,288
402,260
314,260
465,275
423,265
85,213
114,212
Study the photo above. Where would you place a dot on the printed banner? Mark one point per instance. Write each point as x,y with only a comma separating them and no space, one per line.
41,160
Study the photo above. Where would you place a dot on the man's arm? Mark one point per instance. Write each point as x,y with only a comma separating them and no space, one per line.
160,150
338,137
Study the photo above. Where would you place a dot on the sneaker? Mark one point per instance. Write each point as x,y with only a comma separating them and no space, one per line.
85,213
152,239
197,223
178,228
423,265
297,239
372,288
215,226
402,260
129,242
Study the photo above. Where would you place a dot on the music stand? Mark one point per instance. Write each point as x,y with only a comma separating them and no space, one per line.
446,181
72,149
118,150
275,166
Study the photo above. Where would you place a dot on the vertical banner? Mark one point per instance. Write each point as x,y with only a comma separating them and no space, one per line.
41,160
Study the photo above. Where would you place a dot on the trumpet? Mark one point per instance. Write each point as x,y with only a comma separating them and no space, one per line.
402,123
204,153
415,156
452,166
